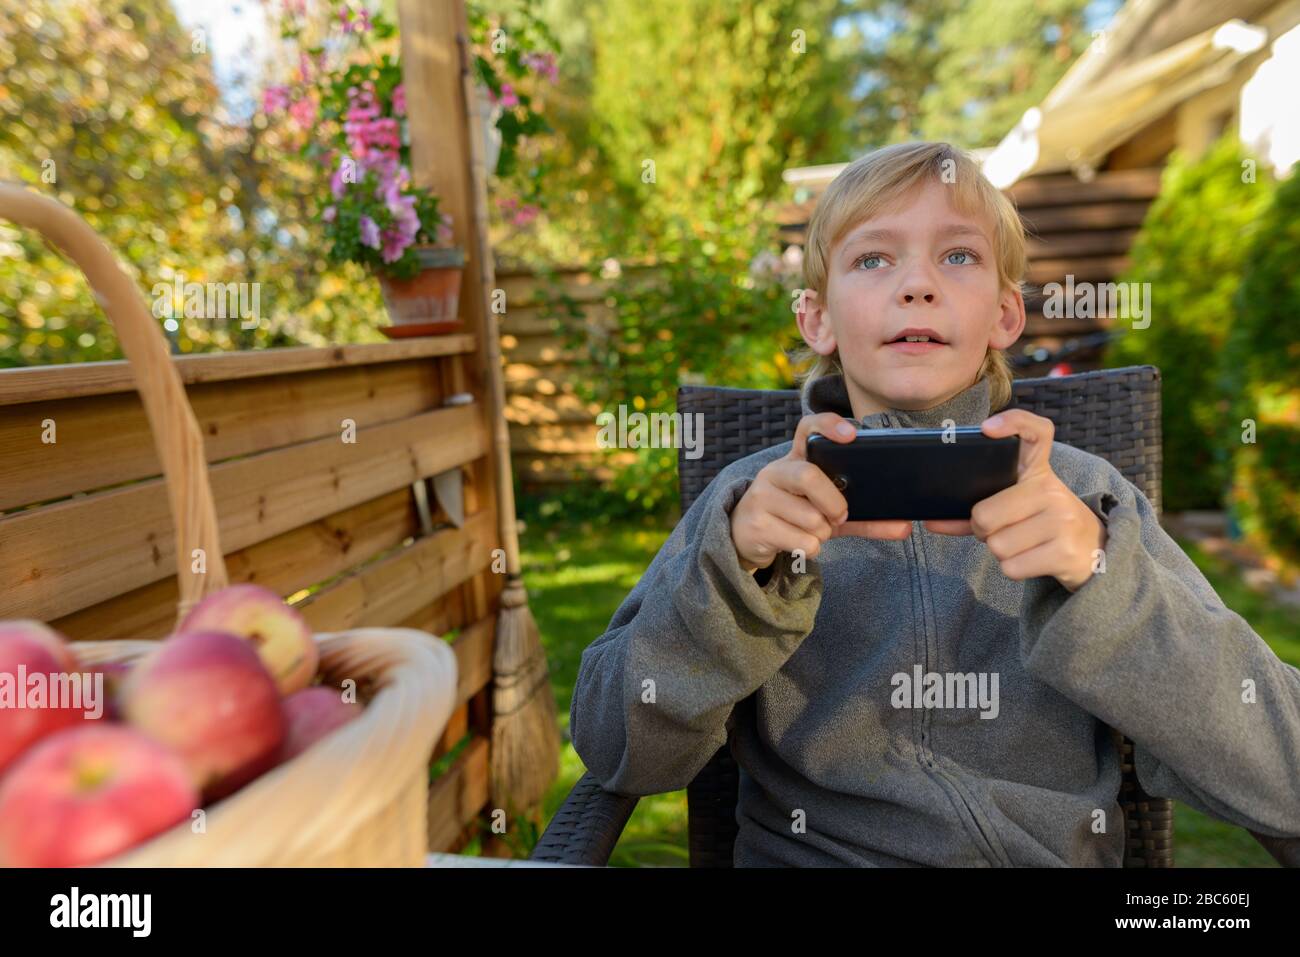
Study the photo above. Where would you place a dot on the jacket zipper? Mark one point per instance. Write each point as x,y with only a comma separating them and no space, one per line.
995,854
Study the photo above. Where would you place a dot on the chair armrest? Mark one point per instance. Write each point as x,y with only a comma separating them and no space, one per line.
1285,850
587,826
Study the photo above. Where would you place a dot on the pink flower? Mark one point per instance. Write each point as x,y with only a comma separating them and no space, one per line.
369,232
345,174
399,99
329,213
526,215
275,99
303,112
354,21
542,64
395,243
507,97
445,235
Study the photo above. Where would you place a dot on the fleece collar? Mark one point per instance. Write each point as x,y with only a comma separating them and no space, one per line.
968,407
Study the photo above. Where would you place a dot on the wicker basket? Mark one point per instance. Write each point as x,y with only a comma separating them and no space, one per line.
357,797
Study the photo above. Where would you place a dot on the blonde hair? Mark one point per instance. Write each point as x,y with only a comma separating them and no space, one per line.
871,184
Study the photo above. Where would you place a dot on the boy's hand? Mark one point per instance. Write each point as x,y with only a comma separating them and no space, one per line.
792,504
1037,526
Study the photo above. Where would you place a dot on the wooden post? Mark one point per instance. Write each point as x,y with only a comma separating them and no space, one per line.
438,119
525,735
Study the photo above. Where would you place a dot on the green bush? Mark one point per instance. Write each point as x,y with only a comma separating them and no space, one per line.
1192,249
1261,372
703,318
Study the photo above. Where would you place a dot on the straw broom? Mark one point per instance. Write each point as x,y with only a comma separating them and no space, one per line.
525,733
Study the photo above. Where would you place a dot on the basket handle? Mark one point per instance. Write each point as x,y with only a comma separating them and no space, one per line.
176,433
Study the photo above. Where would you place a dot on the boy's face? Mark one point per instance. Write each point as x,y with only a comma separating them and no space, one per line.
921,264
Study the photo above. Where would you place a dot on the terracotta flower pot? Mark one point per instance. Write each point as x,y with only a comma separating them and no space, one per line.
429,301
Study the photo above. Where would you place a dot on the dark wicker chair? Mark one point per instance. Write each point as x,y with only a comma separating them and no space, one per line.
1114,413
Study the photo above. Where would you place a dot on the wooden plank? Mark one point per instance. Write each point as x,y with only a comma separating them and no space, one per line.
1110,242
556,440
526,410
457,797
1096,216
392,588
456,727
1083,269
533,321
533,290
553,469
52,567
538,350
286,564
1105,187
107,441
46,383
473,649
521,377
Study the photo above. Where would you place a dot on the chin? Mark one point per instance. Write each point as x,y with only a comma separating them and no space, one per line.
915,388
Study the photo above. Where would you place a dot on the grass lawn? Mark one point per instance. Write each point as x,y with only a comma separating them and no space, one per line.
578,573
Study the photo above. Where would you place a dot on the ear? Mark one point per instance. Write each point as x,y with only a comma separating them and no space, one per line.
815,323
1011,319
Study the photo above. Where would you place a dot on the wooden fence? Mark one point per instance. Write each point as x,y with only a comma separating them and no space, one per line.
86,540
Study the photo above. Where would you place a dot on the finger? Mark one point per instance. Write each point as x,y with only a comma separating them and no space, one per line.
798,511
1037,561
802,478
830,424
1036,433
1009,542
874,528
781,536
949,526
1013,504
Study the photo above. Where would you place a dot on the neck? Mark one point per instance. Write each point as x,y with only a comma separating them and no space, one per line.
970,406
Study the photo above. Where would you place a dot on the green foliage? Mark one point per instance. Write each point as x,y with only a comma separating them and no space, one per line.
1192,249
997,58
108,107
692,114
698,318
1260,363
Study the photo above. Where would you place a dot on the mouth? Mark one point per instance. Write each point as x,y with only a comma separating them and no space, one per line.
916,342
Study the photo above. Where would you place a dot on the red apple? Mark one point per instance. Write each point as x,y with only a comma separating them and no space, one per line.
312,714
89,793
54,642
278,631
110,675
207,695
27,663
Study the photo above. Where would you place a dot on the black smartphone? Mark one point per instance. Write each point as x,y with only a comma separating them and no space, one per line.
917,474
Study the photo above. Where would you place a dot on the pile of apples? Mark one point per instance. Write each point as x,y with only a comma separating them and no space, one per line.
218,703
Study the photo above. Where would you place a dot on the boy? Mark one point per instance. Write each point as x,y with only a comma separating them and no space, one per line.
768,620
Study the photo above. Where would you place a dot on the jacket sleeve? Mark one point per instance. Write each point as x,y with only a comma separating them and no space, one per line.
1149,647
697,635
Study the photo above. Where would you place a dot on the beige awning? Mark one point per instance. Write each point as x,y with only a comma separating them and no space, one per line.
1082,120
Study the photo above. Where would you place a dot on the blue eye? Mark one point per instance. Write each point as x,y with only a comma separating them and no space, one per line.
962,252
868,256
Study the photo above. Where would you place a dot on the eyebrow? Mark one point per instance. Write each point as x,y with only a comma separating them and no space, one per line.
890,235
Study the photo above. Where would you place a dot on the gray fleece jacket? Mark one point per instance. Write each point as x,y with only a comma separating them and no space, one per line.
904,703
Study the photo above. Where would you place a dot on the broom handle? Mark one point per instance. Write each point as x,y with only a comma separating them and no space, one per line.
176,434
491,335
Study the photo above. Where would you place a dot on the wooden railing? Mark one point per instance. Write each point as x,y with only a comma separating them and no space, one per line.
86,539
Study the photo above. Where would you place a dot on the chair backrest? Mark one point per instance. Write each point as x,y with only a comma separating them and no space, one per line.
1113,413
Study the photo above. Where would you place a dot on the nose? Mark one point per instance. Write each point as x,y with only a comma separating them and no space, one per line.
918,285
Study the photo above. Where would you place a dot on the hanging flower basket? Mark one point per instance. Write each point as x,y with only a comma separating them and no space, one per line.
426,304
